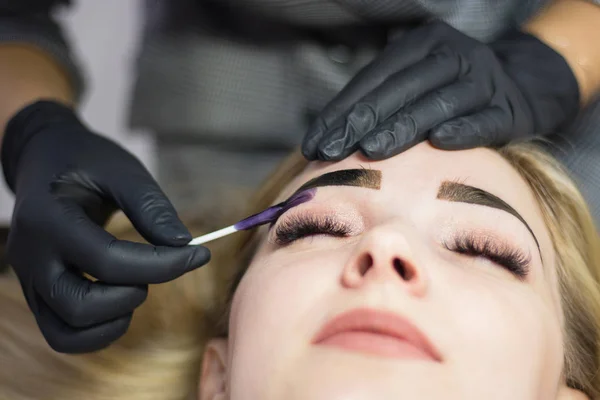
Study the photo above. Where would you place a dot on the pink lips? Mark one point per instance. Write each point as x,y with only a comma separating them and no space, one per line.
378,333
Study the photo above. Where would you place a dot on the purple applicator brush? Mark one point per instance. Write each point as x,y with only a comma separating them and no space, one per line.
264,217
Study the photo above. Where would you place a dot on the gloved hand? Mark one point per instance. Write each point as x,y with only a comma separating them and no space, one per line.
436,83
67,181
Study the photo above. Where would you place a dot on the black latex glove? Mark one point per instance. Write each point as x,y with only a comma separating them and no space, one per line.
436,83
67,181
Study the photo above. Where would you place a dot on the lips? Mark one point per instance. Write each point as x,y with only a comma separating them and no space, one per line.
377,333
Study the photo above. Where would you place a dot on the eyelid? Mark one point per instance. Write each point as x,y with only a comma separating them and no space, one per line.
491,222
495,234
495,248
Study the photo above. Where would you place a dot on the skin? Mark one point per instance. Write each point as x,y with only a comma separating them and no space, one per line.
571,28
499,337
29,74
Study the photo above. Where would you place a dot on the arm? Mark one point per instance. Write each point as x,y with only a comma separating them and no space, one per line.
35,62
28,74
572,28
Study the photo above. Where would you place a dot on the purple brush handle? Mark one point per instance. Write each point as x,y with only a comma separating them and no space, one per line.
272,213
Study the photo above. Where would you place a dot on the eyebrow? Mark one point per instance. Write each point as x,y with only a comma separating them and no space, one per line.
366,178
458,192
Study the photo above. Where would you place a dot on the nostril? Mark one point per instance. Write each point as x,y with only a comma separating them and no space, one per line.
400,267
365,263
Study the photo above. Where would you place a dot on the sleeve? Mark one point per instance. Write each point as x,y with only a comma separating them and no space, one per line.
32,21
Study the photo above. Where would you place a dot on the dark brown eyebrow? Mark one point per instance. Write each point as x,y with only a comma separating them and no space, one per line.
458,192
367,178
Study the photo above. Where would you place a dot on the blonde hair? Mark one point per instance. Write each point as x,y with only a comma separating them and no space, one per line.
160,356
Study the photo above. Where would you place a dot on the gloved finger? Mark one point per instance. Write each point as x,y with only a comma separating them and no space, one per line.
415,121
400,89
81,303
65,339
149,209
91,249
393,137
490,127
411,48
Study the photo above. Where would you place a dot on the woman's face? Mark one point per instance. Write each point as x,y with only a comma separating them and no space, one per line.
404,292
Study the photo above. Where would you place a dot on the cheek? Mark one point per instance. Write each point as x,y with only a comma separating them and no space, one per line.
504,328
275,311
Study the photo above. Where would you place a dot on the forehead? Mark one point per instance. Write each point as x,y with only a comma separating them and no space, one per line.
420,171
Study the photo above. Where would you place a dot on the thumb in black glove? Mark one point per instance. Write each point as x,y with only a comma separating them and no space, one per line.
436,83
67,182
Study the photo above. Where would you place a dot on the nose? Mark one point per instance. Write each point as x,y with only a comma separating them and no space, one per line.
386,255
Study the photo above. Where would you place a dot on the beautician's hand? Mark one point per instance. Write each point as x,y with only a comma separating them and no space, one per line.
436,83
67,181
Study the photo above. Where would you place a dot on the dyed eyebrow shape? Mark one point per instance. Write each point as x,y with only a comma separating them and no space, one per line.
458,192
366,178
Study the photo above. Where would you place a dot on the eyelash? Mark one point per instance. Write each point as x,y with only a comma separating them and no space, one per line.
297,227
517,262
512,259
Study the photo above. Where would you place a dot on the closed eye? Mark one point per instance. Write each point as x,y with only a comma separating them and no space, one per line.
298,226
514,260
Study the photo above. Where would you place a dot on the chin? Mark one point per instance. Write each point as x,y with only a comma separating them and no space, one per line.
333,374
